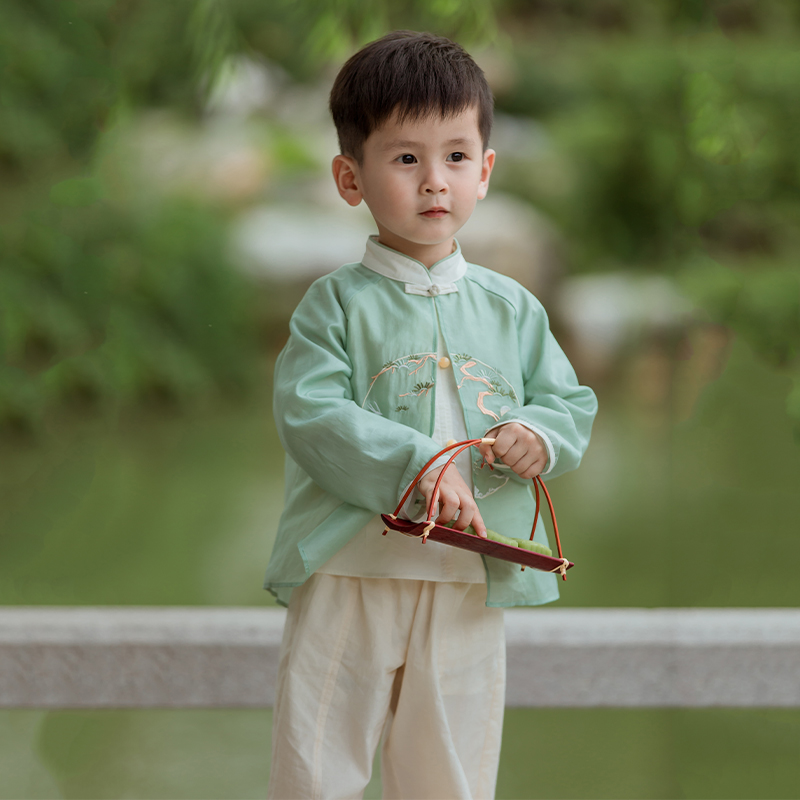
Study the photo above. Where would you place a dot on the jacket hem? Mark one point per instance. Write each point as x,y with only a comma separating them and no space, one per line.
522,604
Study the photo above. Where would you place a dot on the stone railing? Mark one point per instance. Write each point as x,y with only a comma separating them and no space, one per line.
105,657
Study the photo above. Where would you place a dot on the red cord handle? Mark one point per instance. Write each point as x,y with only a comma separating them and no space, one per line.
425,469
460,447
537,482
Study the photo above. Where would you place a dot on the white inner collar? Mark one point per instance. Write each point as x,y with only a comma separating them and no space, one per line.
439,279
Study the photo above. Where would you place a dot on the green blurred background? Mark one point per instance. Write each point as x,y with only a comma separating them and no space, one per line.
160,163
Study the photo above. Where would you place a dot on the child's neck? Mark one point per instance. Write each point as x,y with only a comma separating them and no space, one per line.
427,254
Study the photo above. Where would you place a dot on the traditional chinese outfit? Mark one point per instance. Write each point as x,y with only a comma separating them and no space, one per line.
386,637
356,405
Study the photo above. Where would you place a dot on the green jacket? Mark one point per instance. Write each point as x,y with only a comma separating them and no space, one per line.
354,400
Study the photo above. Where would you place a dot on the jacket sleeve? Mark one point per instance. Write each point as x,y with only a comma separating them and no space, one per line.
358,456
555,406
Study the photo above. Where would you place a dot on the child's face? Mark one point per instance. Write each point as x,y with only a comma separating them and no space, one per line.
421,181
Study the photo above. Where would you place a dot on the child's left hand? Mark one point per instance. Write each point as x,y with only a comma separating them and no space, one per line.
520,448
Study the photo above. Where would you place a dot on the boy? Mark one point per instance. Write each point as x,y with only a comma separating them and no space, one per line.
387,360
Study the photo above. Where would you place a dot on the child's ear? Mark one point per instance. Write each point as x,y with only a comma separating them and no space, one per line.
486,171
345,173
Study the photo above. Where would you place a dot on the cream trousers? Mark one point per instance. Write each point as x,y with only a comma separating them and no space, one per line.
420,663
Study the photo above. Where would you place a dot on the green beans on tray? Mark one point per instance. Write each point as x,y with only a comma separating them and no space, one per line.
525,544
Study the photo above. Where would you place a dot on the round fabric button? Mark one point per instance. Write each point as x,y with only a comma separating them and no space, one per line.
434,290
444,362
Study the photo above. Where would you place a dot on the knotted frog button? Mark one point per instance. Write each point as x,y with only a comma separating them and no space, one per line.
444,362
434,290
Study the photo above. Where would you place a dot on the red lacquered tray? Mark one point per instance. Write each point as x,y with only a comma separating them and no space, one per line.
428,529
469,541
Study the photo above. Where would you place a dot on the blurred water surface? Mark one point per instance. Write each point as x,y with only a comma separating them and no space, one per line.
686,497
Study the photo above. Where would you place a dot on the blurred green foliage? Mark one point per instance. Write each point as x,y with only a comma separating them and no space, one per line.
661,141
671,130
109,297
105,307
672,146
106,301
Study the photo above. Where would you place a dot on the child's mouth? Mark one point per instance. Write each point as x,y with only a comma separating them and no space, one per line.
434,213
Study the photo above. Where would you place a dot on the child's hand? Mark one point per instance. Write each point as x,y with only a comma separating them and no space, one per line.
519,447
454,496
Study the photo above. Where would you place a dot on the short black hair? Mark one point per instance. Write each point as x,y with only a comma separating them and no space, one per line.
416,74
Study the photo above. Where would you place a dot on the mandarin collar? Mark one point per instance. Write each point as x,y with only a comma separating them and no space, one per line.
418,279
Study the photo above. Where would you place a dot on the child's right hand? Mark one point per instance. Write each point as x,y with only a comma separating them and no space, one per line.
454,496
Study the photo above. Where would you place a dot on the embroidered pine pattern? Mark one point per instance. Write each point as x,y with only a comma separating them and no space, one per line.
420,389
404,362
412,364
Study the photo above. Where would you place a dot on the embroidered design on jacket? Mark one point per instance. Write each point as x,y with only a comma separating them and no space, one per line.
489,377
420,390
411,364
480,476
479,495
373,407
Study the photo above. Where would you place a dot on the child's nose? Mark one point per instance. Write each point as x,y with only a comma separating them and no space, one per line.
434,182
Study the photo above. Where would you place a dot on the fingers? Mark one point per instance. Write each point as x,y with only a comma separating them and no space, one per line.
529,468
427,483
505,441
455,501
449,503
521,450
485,449
471,516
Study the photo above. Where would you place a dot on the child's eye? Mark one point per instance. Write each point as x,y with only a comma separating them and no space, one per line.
407,159
456,156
